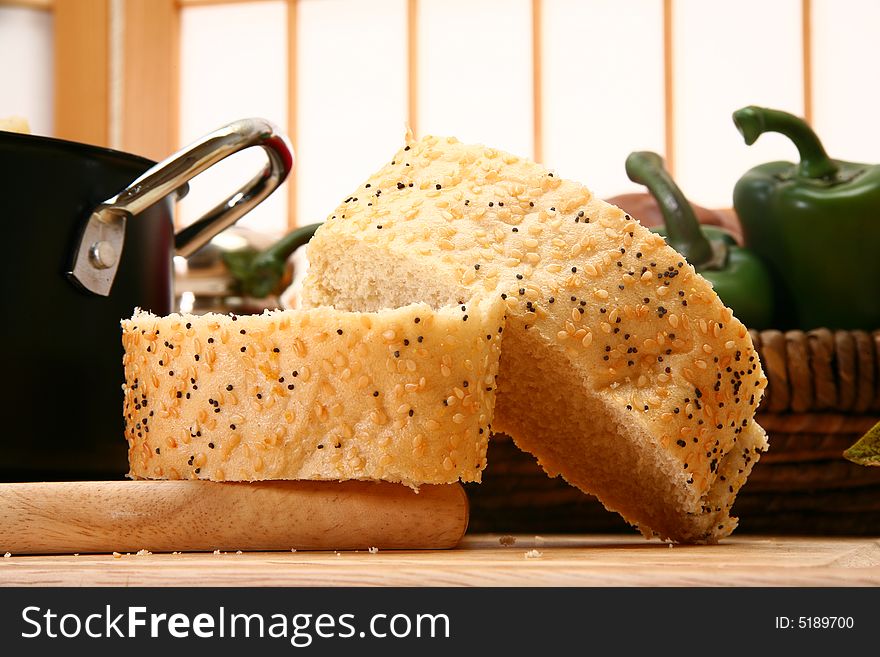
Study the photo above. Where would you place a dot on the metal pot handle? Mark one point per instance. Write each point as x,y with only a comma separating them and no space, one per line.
99,250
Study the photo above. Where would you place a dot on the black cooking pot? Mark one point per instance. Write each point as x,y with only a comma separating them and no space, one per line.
74,264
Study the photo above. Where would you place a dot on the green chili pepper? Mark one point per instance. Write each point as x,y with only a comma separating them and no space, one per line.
817,226
258,273
738,276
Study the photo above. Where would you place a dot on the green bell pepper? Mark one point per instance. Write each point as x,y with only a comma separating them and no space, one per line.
258,273
817,226
738,276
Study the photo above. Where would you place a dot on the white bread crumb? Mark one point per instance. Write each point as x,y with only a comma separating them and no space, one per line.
217,552
373,550
116,555
238,552
143,553
293,549
7,555
534,554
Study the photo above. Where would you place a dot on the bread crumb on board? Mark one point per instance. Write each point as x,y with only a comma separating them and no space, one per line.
293,549
217,552
534,554
117,555
143,553
7,555
507,541
373,550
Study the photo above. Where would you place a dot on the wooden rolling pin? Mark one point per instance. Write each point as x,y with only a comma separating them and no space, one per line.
187,516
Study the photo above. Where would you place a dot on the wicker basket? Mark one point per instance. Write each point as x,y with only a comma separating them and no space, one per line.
823,393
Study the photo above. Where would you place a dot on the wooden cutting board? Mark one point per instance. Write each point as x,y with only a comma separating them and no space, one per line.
182,516
483,560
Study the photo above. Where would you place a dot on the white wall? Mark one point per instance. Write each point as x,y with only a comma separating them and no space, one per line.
26,66
233,65
602,91
603,87
352,91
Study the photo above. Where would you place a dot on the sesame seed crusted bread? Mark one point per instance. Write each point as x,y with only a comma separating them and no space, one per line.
404,395
621,369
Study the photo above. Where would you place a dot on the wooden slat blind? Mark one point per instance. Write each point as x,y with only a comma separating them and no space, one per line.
412,64
292,104
45,5
807,56
82,70
537,82
149,120
151,60
668,87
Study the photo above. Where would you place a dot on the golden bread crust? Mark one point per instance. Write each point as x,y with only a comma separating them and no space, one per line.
405,395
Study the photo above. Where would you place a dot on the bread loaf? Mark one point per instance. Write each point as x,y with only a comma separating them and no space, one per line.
15,124
621,369
404,395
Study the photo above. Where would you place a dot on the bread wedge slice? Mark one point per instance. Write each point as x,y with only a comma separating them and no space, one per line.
621,369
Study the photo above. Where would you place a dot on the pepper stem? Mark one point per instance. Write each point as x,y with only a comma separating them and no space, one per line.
753,121
682,228
259,273
281,250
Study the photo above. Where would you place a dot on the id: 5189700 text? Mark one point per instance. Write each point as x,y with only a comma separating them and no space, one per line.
814,622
